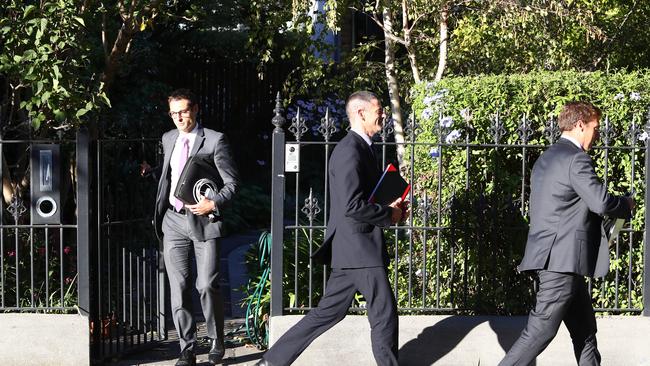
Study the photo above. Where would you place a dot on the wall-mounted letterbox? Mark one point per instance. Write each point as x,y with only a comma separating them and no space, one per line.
45,184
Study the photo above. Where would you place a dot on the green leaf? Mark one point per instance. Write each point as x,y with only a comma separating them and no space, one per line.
81,112
59,115
57,72
80,21
45,96
28,10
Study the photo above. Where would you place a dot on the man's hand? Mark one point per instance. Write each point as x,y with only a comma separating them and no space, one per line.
396,211
204,207
405,210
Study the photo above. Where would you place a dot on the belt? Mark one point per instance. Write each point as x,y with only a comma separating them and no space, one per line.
172,208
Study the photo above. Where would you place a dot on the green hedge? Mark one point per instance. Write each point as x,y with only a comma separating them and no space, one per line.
484,204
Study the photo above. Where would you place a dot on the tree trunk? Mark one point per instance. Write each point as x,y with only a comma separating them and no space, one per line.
442,57
407,42
120,47
393,87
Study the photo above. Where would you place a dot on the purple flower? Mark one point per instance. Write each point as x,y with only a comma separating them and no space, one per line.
453,136
427,113
11,253
67,250
434,153
446,122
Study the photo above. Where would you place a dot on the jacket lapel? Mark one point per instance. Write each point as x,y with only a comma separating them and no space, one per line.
169,150
198,142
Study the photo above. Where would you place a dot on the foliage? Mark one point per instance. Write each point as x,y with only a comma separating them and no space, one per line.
507,36
45,57
33,267
486,186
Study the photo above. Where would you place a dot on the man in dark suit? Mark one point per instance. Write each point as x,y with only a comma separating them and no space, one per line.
189,229
354,242
566,240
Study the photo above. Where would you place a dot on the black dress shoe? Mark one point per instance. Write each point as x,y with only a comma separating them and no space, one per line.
263,362
188,358
217,351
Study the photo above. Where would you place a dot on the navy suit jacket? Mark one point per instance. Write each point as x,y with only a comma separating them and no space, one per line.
212,146
567,200
354,238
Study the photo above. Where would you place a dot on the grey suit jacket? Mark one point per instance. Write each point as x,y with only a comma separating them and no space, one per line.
354,236
567,200
213,146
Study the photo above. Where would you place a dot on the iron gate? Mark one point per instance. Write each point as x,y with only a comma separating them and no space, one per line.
456,252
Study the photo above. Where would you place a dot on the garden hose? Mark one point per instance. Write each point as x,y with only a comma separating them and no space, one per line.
257,328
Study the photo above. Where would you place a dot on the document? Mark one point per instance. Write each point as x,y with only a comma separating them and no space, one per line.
390,186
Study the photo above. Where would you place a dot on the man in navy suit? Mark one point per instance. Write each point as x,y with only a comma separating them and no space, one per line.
188,229
354,243
566,240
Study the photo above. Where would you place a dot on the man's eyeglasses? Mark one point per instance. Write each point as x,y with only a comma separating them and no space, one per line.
184,113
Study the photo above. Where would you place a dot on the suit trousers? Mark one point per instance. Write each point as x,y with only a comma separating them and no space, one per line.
562,297
373,284
179,243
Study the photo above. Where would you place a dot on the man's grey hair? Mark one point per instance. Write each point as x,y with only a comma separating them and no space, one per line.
358,96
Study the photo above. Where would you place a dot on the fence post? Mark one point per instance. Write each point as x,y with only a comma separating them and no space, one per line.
277,208
85,238
646,249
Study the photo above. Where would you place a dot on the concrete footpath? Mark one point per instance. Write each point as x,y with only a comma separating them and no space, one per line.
468,340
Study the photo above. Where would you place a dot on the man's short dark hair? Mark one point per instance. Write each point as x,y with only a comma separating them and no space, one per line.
179,94
577,111
363,95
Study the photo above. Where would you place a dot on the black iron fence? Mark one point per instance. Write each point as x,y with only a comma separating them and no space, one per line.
91,248
458,250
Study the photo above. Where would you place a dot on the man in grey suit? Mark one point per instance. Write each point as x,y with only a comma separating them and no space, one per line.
566,240
354,243
191,229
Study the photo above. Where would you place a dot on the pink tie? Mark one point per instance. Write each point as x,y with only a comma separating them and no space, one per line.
181,164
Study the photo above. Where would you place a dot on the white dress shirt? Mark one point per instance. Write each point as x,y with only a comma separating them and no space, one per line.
176,155
575,142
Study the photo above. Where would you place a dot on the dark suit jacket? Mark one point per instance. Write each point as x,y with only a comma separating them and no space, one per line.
567,200
354,236
212,146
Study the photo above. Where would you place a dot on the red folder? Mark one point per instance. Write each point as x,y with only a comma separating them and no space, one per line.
390,186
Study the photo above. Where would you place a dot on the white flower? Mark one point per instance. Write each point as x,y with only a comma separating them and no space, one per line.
619,96
466,114
635,96
446,122
453,136
643,136
418,272
427,113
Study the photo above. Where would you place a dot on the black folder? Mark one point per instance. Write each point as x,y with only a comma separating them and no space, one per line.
198,175
390,186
